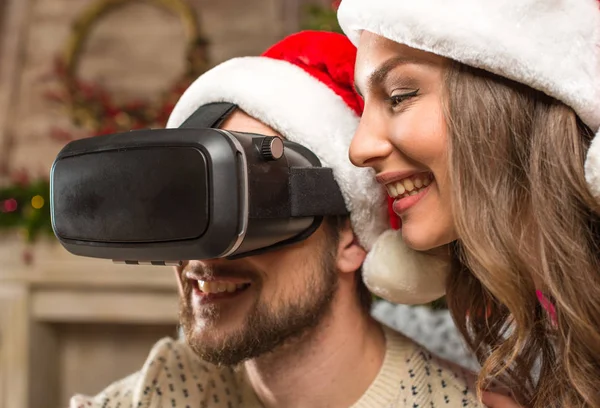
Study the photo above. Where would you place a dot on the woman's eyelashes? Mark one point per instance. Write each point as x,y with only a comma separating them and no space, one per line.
398,97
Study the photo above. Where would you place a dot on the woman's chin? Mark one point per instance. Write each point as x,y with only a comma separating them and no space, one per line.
421,241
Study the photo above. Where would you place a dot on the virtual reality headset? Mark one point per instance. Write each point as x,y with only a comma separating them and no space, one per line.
162,196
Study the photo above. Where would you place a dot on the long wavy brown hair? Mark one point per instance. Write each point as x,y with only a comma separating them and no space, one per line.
525,221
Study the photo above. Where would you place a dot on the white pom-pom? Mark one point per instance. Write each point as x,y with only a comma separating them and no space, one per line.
592,167
402,275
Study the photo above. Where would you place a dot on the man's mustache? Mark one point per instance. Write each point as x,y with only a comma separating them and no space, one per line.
221,269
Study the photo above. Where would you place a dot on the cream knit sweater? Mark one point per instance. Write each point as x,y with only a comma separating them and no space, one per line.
173,376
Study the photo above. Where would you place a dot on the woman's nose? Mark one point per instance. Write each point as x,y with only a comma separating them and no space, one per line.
370,144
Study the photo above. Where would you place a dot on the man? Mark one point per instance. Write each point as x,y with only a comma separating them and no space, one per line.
291,327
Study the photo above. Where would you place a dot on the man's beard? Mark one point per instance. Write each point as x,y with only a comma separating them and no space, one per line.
267,326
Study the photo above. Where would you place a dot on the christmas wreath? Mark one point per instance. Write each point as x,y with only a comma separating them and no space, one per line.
91,106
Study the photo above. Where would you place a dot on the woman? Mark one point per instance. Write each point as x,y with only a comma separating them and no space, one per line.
479,117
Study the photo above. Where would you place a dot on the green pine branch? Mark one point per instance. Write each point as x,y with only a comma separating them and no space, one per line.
320,18
32,221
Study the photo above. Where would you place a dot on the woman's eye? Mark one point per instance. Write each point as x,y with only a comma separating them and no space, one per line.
397,99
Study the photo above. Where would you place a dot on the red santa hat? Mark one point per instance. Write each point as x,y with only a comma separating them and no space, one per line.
303,87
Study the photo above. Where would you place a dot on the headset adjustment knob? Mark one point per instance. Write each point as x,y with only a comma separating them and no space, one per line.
271,148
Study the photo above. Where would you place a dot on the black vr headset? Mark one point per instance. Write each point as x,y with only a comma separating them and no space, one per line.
163,196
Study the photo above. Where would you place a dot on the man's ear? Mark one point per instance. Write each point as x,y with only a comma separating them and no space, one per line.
350,255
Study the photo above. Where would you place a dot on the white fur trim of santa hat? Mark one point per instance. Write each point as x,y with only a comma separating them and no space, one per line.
303,110
552,46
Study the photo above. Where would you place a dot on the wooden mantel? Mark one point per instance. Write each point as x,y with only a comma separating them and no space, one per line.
63,314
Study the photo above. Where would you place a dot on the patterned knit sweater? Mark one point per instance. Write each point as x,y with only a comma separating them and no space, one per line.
173,376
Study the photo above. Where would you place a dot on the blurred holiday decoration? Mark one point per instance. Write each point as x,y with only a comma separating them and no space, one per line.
24,205
322,18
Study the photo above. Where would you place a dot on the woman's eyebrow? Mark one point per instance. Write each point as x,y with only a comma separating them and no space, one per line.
379,75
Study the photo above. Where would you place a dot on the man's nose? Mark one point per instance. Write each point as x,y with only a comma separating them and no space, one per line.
204,263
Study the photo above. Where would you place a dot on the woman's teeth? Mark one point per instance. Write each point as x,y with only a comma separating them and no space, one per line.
219,287
409,186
